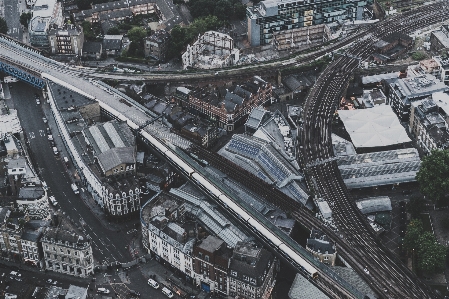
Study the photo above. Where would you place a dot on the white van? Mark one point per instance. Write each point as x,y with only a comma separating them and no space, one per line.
75,188
167,292
153,283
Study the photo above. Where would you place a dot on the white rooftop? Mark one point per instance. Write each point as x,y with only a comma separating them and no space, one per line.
442,101
374,127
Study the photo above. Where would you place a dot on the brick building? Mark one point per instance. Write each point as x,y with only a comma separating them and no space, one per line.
228,107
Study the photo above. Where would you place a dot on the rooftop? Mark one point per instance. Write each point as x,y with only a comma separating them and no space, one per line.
374,127
379,168
374,204
302,288
211,244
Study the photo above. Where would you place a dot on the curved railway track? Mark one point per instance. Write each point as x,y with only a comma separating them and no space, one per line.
391,278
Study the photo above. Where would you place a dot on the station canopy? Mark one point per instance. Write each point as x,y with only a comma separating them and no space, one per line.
373,127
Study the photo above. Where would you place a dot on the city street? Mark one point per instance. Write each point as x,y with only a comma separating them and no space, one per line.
12,11
108,245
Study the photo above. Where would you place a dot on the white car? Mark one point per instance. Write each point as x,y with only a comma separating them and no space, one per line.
102,291
153,283
53,201
167,292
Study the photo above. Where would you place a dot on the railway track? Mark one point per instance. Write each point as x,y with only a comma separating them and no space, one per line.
391,278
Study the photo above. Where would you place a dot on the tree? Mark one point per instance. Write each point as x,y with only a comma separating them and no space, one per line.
25,19
414,231
430,255
113,31
416,206
433,176
137,34
3,26
88,32
418,56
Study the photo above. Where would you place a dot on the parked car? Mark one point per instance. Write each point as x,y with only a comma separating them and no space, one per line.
167,292
153,283
53,201
102,291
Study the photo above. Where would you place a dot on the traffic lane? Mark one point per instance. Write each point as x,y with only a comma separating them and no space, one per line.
140,283
50,167
12,18
107,245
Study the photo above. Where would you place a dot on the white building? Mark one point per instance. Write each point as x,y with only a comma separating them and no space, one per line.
67,252
45,13
211,50
33,201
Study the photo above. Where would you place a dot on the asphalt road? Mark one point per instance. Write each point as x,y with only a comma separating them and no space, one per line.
13,9
108,245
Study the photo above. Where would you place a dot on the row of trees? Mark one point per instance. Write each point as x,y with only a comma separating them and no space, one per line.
428,253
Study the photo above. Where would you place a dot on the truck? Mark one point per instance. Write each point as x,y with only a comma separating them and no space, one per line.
75,188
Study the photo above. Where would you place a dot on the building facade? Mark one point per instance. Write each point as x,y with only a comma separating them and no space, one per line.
439,39
322,247
156,45
231,108
429,123
210,264
45,15
33,201
401,92
67,252
211,50
252,272
68,40
272,16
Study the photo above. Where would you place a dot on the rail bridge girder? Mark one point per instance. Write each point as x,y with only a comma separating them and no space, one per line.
20,74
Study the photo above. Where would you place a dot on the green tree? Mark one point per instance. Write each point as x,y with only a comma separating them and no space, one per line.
433,176
418,56
137,34
25,19
88,32
3,26
416,206
414,231
113,31
430,255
